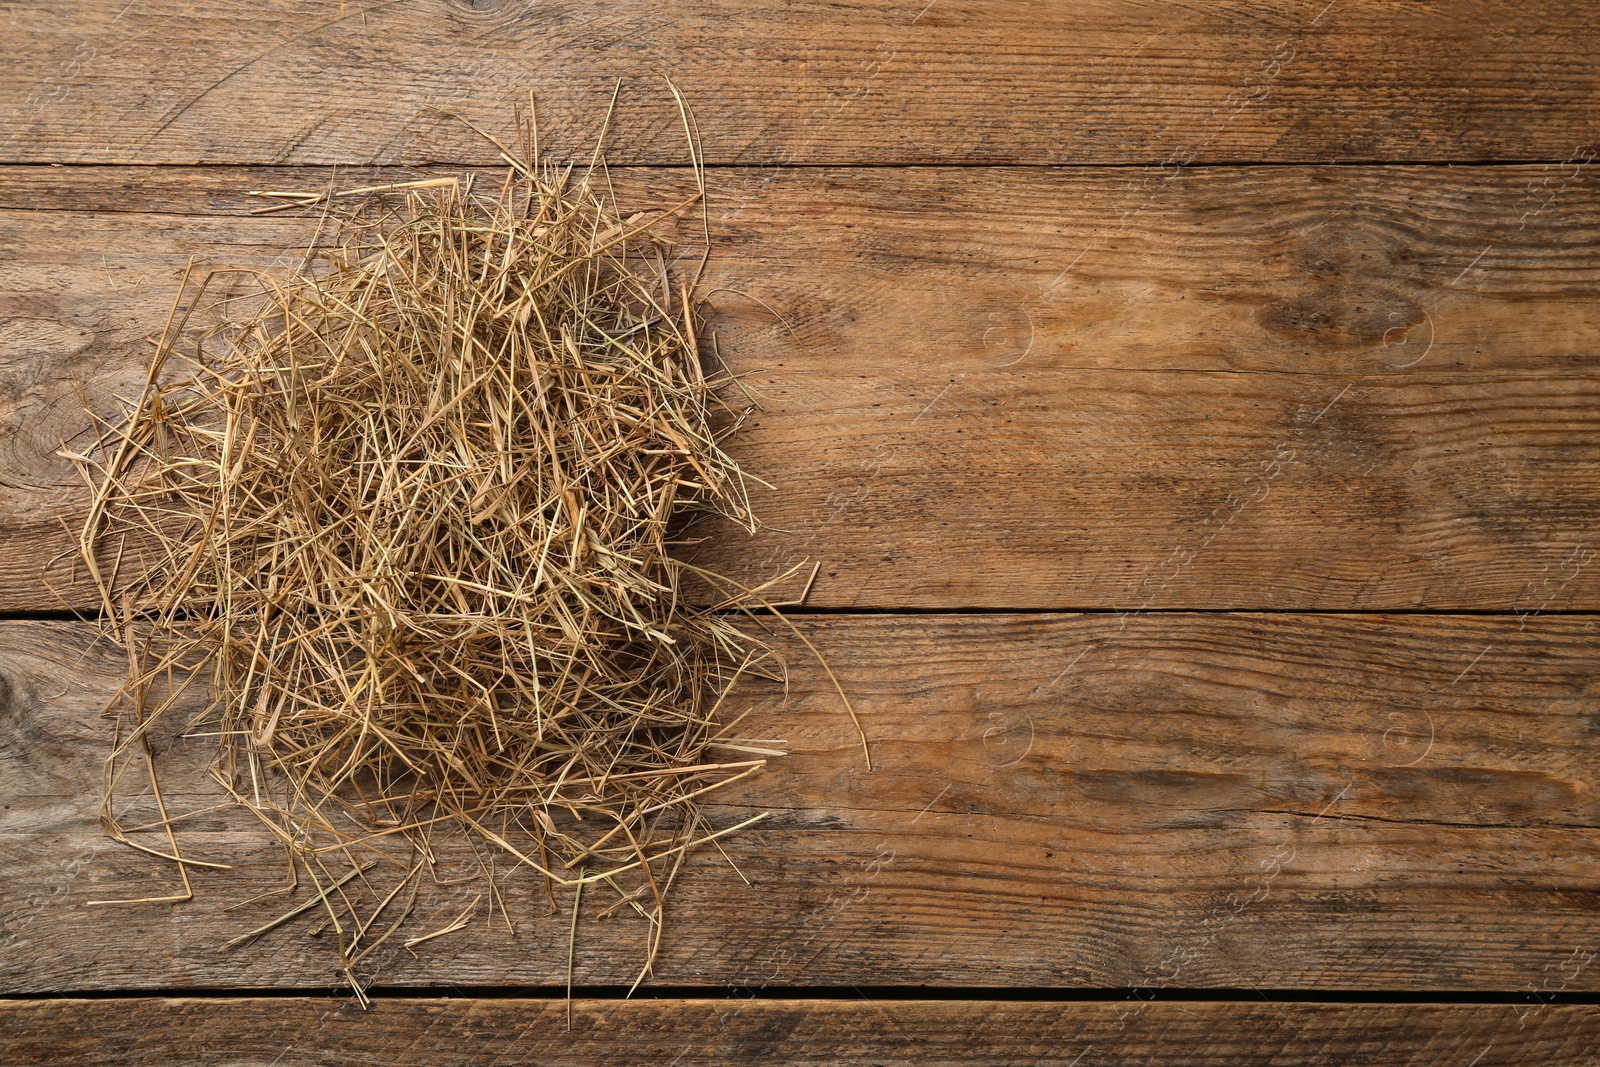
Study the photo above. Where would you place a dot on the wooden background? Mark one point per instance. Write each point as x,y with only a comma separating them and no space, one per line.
1194,408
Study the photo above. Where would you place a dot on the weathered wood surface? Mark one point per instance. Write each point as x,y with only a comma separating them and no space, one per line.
246,81
1291,388
1219,801
286,1032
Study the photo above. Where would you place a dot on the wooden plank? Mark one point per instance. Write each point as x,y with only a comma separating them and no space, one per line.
1177,801
292,1032
1286,388
994,81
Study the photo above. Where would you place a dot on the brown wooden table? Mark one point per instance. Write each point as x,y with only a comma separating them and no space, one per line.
1194,408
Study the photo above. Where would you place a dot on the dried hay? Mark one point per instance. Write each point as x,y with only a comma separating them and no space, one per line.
413,522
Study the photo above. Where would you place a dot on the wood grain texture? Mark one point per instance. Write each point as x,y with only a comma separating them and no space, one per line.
867,81
1183,801
1298,388
177,1032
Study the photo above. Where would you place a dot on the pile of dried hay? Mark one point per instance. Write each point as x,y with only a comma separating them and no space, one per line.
412,522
